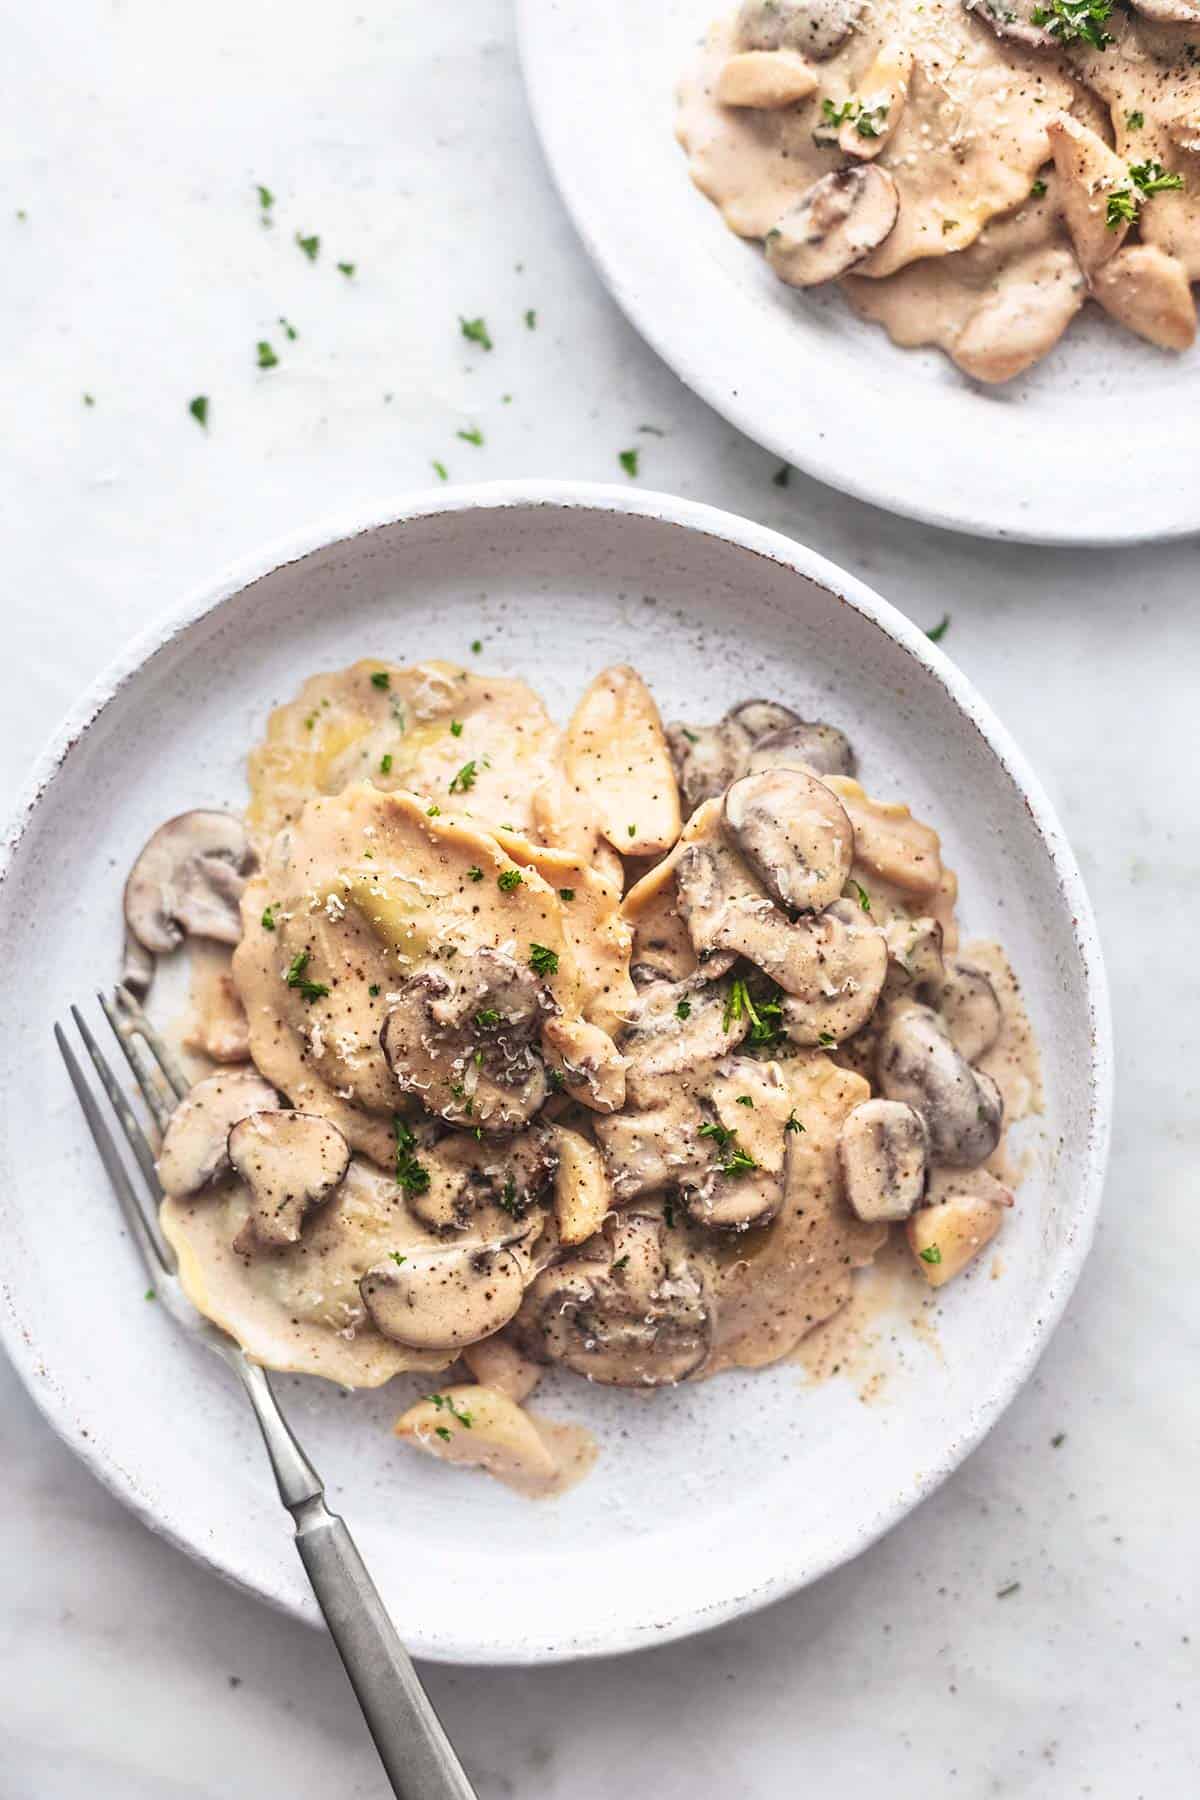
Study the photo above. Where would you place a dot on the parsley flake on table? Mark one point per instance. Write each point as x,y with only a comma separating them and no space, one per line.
267,358
476,332
296,978
311,246
266,200
473,436
441,471
289,330
199,410
935,633
543,961
347,269
89,400
476,646
531,320
628,460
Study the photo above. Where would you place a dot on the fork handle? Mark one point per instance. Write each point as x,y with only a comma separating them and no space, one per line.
418,1756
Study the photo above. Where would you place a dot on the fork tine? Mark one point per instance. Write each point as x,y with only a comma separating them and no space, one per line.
156,1252
163,1055
135,1137
145,1073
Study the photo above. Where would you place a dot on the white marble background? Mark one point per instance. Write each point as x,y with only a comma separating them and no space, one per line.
132,134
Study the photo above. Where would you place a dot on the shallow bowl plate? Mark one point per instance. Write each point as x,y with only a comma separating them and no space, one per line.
707,1501
1097,445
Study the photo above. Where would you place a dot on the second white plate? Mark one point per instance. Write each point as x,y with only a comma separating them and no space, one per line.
1095,446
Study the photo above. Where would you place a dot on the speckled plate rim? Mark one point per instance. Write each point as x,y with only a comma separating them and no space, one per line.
54,1401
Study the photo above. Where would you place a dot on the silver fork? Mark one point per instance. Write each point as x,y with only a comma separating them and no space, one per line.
418,1756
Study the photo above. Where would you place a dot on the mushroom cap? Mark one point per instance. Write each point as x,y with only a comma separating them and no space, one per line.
630,1311
676,1028
834,224
442,1297
734,1202
968,1003
195,1146
492,1190
794,833
818,746
291,1162
1013,19
962,1107
816,28
461,1040
883,1147
708,757
836,976
189,878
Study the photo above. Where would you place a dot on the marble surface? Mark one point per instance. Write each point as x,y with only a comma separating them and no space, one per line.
141,274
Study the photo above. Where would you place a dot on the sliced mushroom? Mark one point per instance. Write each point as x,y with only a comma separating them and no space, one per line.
442,1298
195,1146
677,1028
291,1162
1088,173
753,720
189,878
492,1190
795,835
947,1235
816,28
810,742
967,1002
646,1152
632,1311
1148,292
765,79
835,223
1014,19
708,757
834,985
461,1039
884,1152
962,1107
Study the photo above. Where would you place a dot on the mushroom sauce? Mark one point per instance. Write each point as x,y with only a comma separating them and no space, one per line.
970,171
618,1047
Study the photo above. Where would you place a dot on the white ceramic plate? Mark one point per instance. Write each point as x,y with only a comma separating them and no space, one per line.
1098,445
706,1501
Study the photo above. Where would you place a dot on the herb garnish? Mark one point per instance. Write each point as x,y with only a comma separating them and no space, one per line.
827,1040
268,917
871,120
622,1262
381,679
1038,189
473,436
296,978
445,1403
476,646
433,812
474,873
734,1160
1122,209
373,989
508,879
464,780
935,633
397,1258
628,460
837,115
1134,121
793,1123
931,1254
632,830
488,1017
781,477
745,1100
456,728
199,409
348,269
475,331
1076,21
684,1010
412,1175
309,245
440,470
266,200
385,763
543,961
760,1014
1013,1587
864,899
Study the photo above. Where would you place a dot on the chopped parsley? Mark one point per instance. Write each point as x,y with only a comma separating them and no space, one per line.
443,1432
373,989
268,918
566,895
622,1262
487,1018
557,1080
433,812
385,763
1121,208
1076,21
1152,178
793,1123
296,978
445,1403
693,737
266,199
871,121
949,225
199,409
289,330
150,1294
760,1013
734,1160
837,115
632,830
508,879
1013,1587
381,679
474,873
745,1100
935,633
1058,1440
310,246
456,728
531,320
440,470
827,1040
931,1254
411,1174
397,1258
1038,189
864,899
473,436
628,460
476,646
348,269
684,1010
780,478
510,1201
464,780
475,331
543,961
1134,121
89,399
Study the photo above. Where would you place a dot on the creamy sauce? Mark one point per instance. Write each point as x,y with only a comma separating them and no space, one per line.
980,261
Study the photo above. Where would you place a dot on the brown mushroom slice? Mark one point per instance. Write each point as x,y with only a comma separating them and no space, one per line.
291,1162
676,1028
1088,173
615,754
633,1313
443,1297
835,223
645,1152
1148,292
1014,19
967,1002
490,1189
460,1038
962,1107
949,1234
884,1152
882,93
816,28
189,879
583,1195
195,1146
833,989
708,757
795,835
591,1066
137,967
765,79
810,743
